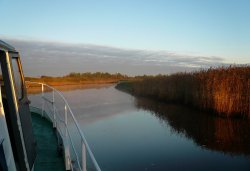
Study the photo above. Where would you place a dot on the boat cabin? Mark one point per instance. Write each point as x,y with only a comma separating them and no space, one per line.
17,142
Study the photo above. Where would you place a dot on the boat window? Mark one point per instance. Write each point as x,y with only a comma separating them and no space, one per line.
2,83
1,76
17,78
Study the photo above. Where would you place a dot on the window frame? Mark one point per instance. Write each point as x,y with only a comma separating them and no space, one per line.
15,56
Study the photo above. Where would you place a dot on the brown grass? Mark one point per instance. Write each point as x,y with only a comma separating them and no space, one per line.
224,90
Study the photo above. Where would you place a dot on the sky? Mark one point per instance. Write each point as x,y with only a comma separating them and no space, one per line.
189,29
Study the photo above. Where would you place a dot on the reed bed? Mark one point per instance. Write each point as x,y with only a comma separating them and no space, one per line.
223,90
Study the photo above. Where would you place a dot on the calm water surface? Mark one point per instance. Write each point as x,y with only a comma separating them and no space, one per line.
128,134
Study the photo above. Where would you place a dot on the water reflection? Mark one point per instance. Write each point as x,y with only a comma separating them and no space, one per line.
132,134
230,136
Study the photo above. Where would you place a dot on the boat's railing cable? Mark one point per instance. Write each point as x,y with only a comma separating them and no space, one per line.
64,122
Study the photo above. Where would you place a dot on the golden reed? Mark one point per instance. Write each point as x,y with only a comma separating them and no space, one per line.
224,90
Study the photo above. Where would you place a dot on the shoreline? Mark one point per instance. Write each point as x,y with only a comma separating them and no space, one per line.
36,89
128,87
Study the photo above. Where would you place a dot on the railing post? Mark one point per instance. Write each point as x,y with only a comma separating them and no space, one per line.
54,110
84,163
65,119
66,143
43,100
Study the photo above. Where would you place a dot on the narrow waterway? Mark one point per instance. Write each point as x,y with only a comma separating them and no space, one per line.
129,134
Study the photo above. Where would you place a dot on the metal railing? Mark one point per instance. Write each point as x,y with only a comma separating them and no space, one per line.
60,120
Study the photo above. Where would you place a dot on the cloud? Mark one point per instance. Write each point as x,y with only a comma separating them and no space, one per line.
54,58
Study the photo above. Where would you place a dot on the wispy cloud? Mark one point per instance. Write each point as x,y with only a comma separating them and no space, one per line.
53,58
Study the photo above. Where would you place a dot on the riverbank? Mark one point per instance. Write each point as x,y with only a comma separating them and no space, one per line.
80,79
75,81
36,88
224,91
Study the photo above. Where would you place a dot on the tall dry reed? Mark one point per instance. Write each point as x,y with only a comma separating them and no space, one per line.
224,90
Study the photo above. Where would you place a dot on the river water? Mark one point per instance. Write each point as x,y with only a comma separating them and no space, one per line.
138,134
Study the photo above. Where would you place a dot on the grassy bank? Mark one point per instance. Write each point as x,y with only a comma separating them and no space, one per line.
224,90
80,79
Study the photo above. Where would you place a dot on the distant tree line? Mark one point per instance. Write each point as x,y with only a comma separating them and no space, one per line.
81,78
96,75
223,90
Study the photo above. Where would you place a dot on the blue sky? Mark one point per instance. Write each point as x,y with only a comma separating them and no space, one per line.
218,28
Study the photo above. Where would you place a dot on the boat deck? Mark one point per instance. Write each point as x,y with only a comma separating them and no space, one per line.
48,157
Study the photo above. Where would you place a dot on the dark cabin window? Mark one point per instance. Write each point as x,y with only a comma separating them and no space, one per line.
17,78
2,83
1,77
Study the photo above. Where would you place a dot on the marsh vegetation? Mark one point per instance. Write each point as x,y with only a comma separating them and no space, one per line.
223,90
